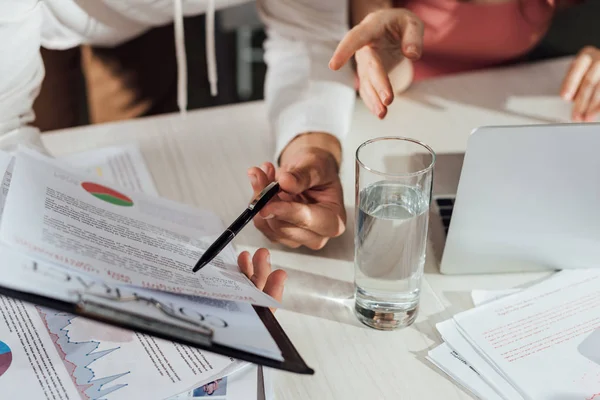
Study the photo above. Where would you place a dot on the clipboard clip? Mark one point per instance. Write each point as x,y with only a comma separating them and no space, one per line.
198,333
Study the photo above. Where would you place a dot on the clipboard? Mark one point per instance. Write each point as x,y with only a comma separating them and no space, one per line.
172,327
44,283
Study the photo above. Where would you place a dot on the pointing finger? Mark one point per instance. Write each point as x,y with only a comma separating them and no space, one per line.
358,37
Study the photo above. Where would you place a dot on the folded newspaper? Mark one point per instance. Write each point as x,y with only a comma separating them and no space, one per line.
541,342
45,354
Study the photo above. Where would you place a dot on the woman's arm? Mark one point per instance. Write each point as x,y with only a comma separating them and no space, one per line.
383,42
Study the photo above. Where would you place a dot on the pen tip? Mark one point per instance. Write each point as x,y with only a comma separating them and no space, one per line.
198,266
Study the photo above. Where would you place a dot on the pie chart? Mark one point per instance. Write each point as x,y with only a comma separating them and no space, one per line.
5,357
107,194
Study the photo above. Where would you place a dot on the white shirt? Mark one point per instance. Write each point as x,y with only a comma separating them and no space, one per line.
302,94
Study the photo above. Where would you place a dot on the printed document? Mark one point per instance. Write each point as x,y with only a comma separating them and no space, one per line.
462,372
122,165
459,344
119,236
64,356
46,354
241,385
447,358
544,340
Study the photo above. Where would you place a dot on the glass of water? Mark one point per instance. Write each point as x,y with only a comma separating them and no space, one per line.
393,192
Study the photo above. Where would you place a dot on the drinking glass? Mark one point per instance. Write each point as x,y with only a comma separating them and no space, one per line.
393,192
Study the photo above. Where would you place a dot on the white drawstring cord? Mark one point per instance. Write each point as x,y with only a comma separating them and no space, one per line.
181,58
211,59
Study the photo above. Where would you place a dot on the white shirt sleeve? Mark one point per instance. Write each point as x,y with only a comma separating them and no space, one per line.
21,72
302,94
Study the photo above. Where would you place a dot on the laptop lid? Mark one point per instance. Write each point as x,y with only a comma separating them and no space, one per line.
528,199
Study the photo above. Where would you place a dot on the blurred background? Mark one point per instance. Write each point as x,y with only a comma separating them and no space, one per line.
79,80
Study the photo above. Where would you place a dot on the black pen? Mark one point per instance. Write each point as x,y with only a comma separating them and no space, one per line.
257,204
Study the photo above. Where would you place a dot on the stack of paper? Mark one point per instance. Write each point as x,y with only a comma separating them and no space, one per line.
542,342
62,227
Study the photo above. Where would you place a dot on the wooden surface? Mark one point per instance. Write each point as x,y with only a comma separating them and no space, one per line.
202,160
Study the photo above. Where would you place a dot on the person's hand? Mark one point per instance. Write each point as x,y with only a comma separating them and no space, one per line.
309,210
381,41
258,269
582,85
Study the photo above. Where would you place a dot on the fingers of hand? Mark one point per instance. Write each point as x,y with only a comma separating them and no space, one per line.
292,236
322,219
275,284
313,170
262,268
259,179
292,233
407,26
269,170
359,36
585,93
263,226
594,107
375,72
371,100
258,270
575,75
245,263
412,36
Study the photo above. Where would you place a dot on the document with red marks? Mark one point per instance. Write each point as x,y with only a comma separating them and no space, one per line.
544,340
118,235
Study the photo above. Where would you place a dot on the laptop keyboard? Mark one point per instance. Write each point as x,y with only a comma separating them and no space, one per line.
445,205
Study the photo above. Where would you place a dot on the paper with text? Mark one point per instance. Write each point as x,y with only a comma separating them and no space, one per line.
46,354
225,318
123,165
122,237
464,374
461,368
458,343
480,297
544,340
240,385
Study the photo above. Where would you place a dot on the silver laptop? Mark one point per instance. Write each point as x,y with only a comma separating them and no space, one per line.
522,198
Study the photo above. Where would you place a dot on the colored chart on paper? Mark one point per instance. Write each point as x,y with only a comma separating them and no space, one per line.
5,357
79,355
107,194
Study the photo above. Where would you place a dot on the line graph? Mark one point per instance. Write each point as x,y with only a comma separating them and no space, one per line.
78,357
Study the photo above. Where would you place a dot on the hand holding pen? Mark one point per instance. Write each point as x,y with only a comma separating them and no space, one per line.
230,233
309,209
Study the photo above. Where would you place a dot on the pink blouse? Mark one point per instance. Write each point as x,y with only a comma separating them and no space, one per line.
461,36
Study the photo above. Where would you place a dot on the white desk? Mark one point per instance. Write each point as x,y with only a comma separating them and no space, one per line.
203,161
